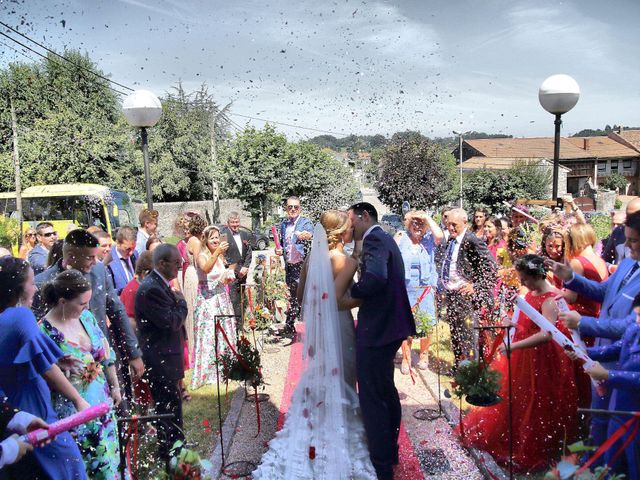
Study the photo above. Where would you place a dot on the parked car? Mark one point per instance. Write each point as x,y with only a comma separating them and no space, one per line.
391,223
257,239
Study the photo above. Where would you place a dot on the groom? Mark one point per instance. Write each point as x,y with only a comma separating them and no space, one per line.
384,321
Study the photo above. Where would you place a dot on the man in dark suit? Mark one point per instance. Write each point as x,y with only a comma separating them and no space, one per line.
123,258
161,313
384,321
238,256
39,254
467,275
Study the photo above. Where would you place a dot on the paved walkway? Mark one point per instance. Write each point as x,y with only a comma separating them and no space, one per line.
428,448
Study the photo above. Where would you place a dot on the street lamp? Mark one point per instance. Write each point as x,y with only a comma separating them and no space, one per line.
143,109
558,94
460,157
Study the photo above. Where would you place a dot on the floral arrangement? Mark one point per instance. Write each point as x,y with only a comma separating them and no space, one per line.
570,464
275,288
243,364
91,372
477,381
260,318
186,464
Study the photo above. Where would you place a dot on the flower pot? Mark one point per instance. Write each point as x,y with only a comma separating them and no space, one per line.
483,401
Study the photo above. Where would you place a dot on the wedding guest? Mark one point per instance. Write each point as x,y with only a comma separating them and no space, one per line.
55,253
105,246
161,313
15,422
417,248
479,217
616,314
194,228
553,246
28,365
444,220
80,252
148,226
544,406
518,216
28,243
123,258
46,238
614,250
466,282
493,235
74,330
152,242
238,256
212,300
295,236
144,266
180,230
506,227
623,378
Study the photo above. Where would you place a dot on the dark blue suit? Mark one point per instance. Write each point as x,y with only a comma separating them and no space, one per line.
616,315
624,381
384,321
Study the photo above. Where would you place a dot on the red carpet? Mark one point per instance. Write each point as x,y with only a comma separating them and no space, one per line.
409,467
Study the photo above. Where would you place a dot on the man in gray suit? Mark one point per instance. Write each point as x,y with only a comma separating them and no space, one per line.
80,252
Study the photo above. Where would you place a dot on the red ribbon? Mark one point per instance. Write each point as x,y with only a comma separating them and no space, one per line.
633,423
426,290
133,428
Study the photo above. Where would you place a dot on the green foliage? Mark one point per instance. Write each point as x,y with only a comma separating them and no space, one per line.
243,367
185,464
476,379
415,169
361,142
615,181
617,204
8,231
490,188
261,168
601,225
424,323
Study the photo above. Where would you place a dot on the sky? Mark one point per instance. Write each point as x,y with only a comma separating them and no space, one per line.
362,67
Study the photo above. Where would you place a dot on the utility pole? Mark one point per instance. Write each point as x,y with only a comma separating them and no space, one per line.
16,164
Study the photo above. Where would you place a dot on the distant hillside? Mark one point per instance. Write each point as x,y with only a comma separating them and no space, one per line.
589,132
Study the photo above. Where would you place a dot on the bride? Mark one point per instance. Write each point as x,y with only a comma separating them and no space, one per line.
323,436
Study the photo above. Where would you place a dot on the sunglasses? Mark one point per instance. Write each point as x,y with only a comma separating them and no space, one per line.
50,234
293,207
30,235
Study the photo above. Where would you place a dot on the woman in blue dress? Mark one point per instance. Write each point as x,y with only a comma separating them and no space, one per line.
74,330
27,366
417,246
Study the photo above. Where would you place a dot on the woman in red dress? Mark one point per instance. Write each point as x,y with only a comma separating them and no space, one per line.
543,387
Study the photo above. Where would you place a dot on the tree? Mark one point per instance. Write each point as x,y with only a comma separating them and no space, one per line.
490,188
616,182
415,169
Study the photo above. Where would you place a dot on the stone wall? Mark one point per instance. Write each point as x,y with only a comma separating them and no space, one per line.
168,212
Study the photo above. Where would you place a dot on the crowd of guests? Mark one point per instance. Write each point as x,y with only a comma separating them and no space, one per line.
89,319
477,269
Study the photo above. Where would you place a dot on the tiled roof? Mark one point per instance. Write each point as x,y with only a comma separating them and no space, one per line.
570,148
503,163
631,136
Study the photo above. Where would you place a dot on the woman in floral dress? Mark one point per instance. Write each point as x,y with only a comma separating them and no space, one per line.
212,300
75,331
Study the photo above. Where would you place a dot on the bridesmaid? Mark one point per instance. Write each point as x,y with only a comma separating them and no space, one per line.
74,329
27,366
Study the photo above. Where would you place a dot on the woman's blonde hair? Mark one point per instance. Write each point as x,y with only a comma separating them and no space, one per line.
581,236
206,234
335,223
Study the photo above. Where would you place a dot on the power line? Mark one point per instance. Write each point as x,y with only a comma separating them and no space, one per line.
287,124
47,58
64,58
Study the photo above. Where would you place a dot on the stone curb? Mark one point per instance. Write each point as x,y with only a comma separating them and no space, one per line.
228,432
489,469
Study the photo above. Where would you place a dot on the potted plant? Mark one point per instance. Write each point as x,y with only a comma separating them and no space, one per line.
478,382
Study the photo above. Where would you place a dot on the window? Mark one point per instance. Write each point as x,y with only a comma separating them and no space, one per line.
614,166
602,167
626,164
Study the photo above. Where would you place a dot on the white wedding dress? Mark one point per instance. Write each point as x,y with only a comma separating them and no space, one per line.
323,436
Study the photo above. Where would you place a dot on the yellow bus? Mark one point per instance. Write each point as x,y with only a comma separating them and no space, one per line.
80,204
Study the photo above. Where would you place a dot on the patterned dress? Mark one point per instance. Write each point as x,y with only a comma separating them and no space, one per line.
212,300
98,440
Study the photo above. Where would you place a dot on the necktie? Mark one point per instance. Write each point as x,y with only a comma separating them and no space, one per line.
446,265
628,276
127,268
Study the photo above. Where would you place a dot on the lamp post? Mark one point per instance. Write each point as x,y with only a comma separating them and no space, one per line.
460,160
143,109
558,94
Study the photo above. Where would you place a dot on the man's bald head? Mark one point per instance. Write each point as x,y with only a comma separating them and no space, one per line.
633,206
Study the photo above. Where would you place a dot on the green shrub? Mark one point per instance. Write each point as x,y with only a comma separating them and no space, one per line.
602,225
8,231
